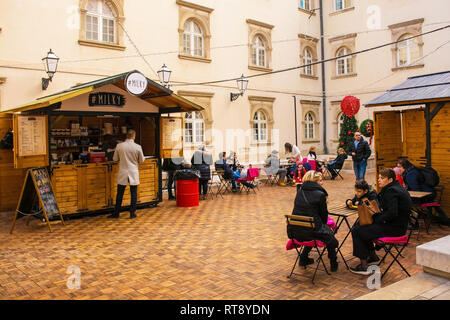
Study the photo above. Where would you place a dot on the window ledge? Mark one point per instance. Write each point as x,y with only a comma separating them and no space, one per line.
348,75
342,11
2,80
194,58
302,75
408,67
262,143
260,69
308,12
99,44
310,140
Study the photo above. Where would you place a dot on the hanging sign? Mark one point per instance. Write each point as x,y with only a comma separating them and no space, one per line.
106,99
136,83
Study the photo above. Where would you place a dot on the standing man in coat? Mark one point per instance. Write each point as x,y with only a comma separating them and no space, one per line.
130,156
201,161
360,152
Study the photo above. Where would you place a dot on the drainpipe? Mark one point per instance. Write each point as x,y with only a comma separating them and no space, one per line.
295,117
324,98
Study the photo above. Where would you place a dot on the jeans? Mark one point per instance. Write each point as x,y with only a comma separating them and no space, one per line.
360,169
171,183
203,185
119,197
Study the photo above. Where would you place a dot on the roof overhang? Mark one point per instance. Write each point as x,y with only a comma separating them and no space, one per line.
155,94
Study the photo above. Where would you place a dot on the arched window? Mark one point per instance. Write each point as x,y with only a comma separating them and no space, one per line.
407,51
344,65
340,123
307,59
100,22
194,127
259,126
309,126
258,52
192,39
305,4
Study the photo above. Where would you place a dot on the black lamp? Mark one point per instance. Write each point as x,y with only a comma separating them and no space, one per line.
164,75
242,83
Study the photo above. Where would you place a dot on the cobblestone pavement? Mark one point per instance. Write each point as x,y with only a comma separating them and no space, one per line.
230,248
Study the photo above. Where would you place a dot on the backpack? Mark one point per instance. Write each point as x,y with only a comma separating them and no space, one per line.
7,141
429,176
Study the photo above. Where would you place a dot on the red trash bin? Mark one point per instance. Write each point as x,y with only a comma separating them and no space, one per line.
187,193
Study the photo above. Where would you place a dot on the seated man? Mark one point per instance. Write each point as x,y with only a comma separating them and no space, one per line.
337,163
222,164
392,221
273,162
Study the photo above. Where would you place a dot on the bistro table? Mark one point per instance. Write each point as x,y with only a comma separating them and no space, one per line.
343,213
418,194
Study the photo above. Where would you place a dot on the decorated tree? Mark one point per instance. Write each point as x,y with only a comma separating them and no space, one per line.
350,106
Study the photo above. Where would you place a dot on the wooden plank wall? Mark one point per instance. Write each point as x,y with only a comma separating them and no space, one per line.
414,136
11,180
440,151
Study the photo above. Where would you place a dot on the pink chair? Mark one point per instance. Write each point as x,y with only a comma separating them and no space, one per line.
300,245
313,164
397,243
252,173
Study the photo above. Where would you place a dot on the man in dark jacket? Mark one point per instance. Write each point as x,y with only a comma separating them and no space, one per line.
201,161
337,163
392,221
311,201
222,164
171,165
360,152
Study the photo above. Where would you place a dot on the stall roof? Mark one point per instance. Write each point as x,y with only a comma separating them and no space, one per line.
416,90
162,97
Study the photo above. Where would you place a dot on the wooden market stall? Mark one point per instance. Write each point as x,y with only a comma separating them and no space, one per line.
420,131
73,133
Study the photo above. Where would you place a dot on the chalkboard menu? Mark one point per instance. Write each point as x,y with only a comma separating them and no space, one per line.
37,193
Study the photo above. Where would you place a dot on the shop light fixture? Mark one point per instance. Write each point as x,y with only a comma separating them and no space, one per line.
242,83
51,64
164,75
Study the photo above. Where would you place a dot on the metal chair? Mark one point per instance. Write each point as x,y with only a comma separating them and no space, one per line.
305,222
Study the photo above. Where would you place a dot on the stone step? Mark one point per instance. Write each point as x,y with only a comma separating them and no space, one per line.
434,256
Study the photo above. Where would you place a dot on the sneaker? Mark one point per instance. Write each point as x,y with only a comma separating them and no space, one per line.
360,270
373,260
305,261
333,265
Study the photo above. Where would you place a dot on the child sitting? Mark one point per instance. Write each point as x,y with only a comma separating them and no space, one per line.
240,175
362,192
300,171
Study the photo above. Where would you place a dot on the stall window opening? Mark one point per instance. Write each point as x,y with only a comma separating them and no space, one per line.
100,22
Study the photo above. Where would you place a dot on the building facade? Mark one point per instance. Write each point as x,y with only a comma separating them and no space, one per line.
211,40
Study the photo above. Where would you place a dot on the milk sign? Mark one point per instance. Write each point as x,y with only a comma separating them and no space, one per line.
136,83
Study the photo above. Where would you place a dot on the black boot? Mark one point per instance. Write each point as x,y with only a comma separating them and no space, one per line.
333,264
305,260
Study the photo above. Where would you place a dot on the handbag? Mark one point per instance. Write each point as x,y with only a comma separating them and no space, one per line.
366,210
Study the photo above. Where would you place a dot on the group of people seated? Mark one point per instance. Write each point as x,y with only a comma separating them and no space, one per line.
391,221
232,170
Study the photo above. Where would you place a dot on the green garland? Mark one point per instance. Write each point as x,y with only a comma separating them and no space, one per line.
363,130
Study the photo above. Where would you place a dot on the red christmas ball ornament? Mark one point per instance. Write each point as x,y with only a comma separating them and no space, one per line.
342,143
349,133
350,106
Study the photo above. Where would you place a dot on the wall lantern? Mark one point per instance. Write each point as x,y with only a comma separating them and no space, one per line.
51,64
242,83
164,75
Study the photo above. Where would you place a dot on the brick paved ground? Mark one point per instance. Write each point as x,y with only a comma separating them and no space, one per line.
231,248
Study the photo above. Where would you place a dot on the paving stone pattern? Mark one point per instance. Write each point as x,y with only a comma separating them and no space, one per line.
230,248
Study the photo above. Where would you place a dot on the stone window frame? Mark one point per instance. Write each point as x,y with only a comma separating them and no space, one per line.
412,27
310,43
264,31
117,8
313,107
203,99
337,43
264,104
348,8
310,11
202,17
195,121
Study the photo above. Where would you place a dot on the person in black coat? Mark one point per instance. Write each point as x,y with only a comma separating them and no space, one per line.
360,152
337,163
395,205
311,200
413,180
201,161
222,165
171,165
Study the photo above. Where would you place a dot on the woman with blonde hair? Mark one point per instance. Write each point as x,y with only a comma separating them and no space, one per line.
311,201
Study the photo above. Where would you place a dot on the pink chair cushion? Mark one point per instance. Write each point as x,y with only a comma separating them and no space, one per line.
331,223
290,245
253,172
393,240
313,164
431,204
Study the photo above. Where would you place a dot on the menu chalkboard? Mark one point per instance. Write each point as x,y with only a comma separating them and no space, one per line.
37,186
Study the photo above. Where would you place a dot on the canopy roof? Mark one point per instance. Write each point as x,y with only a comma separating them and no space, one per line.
162,97
416,90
